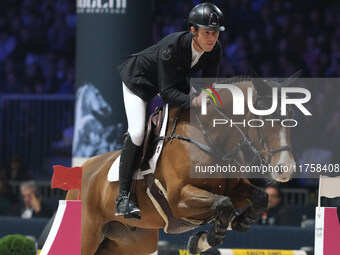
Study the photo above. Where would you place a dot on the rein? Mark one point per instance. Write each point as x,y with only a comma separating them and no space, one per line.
213,151
172,135
229,157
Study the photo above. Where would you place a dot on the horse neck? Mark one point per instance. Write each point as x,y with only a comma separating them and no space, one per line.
224,135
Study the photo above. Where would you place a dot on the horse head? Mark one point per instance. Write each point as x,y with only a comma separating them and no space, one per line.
89,100
274,135
249,110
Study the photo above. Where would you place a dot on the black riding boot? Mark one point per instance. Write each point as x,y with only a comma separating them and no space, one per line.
128,163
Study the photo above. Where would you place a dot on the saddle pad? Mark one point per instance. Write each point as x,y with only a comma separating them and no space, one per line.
113,174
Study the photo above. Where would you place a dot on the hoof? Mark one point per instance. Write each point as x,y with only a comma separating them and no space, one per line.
241,223
225,210
259,200
217,233
193,243
215,239
239,226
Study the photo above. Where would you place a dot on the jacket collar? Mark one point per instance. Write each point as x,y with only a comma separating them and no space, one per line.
186,49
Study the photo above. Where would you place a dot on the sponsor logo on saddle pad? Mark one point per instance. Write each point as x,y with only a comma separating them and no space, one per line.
113,174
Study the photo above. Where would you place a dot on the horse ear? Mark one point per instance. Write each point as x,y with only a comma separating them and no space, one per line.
291,79
262,88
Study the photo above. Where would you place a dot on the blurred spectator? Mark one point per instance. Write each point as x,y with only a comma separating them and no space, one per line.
32,205
15,171
269,217
7,45
67,87
274,37
13,84
33,73
29,30
288,215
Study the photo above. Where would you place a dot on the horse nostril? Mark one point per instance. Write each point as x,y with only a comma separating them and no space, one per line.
284,179
281,174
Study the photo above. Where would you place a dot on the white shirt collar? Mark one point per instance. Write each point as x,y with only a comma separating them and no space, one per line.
195,55
27,214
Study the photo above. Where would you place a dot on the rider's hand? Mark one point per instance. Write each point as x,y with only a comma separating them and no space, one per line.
36,203
197,101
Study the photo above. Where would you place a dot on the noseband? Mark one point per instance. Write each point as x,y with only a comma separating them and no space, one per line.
265,145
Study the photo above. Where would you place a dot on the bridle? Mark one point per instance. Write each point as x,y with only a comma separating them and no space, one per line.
230,157
264,144
245,140
262,140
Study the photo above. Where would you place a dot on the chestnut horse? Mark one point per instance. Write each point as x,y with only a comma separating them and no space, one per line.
188,198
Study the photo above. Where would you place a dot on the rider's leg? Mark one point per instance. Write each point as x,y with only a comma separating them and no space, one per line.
135,109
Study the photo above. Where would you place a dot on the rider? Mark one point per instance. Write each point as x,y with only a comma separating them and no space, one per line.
163,68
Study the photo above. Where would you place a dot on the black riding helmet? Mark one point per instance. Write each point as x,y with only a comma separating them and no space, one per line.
207,16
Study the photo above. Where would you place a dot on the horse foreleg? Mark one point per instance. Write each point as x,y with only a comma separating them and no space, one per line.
91,230
201,241
258,200
198,201
91,234
225,212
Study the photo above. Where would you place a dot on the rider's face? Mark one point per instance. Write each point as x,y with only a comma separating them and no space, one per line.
205,38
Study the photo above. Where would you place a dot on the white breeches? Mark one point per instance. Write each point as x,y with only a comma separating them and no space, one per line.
135,109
